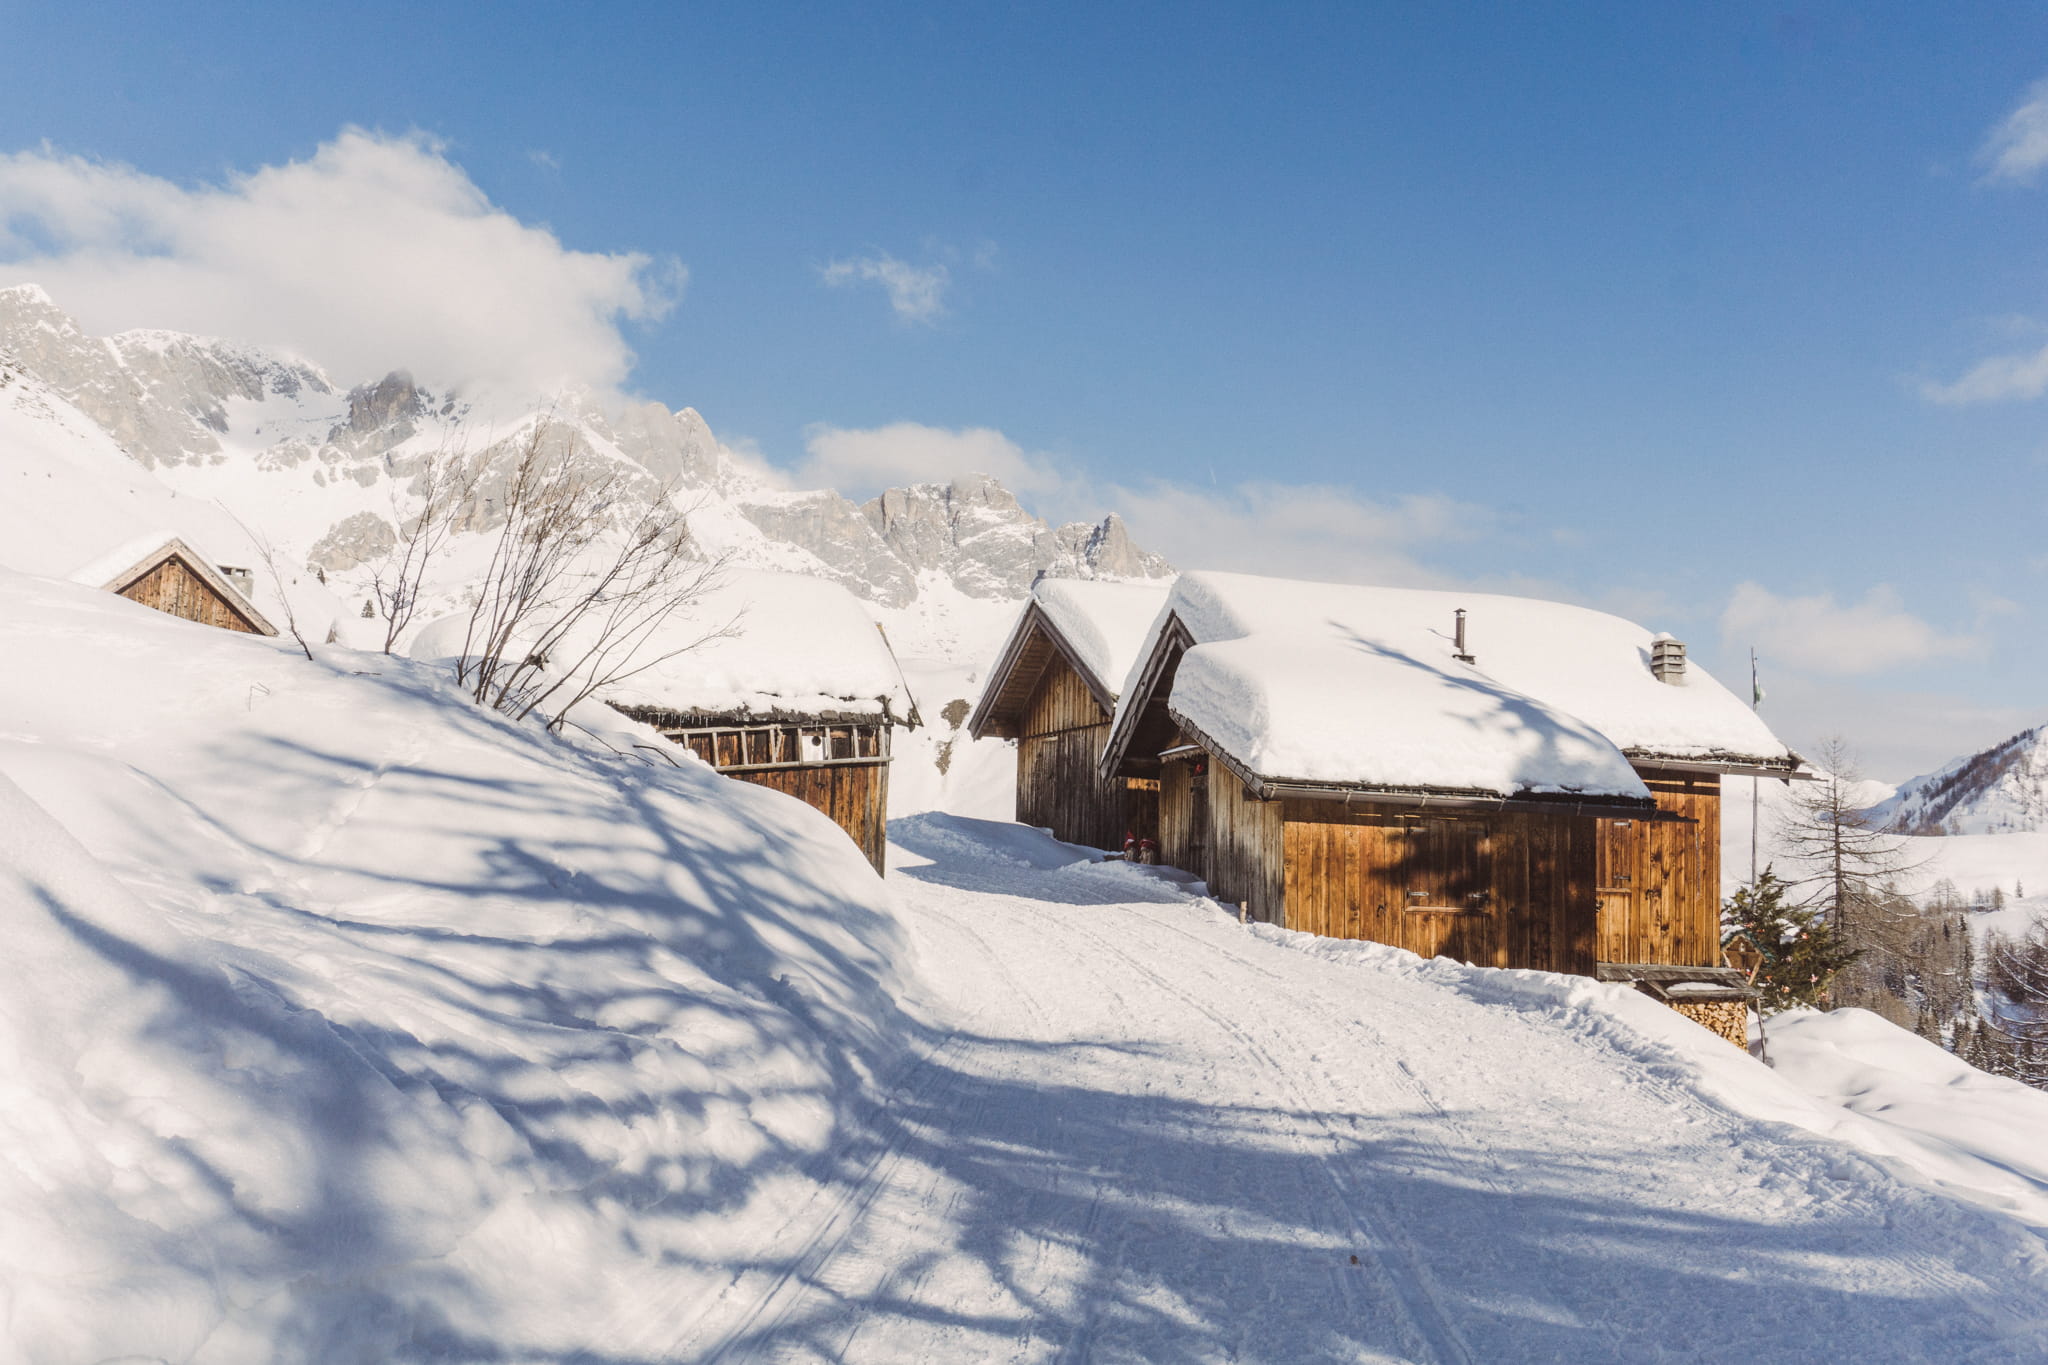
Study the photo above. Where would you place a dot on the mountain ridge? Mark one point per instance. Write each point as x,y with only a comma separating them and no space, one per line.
1999,790
328,470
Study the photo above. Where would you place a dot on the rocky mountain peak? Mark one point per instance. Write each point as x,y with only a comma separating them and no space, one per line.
392,401
278,433
162,395
2002,790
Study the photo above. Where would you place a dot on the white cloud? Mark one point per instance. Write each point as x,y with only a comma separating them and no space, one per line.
1818,635
863,461
916,293
1997,379
2017,148
1296,530
375,253
1895,734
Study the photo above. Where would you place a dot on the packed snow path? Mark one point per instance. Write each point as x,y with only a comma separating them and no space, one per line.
1144,1132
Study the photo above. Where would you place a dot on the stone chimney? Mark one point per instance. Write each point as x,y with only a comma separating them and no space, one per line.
1667,660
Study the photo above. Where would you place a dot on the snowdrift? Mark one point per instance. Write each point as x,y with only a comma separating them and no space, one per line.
341,1019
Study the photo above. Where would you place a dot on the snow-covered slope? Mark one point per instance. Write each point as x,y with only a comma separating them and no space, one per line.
73,505
341,1020
1919,1105
2003,790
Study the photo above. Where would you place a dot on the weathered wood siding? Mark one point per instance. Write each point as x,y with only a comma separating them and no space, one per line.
1183,817
1660,880
1246,849
841,769
855,795
1058,786
1508,889
172,587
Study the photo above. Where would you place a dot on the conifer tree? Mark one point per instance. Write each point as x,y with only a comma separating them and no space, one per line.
1802,951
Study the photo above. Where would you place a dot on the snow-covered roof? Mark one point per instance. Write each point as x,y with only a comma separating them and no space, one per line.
1324,683
1103,623
1096,626
798,645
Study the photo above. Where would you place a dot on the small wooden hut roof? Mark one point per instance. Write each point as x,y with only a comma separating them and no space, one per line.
773,647
138,559
1095,627
1327,688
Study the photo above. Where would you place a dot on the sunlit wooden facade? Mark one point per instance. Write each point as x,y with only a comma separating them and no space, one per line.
1042,694
836,763
177,580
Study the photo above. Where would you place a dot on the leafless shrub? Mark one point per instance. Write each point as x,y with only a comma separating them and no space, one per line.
582,578
447,484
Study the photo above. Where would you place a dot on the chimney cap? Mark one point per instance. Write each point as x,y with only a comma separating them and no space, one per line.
1667,660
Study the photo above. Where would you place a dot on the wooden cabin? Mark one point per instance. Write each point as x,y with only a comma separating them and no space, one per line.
787,683
174,578
1508,782
1053,689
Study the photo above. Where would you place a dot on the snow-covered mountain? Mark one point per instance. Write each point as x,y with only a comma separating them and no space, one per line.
2003,790
326,472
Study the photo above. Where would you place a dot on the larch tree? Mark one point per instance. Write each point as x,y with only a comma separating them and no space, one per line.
1847,869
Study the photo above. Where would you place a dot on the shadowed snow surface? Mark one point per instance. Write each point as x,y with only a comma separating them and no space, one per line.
340,1021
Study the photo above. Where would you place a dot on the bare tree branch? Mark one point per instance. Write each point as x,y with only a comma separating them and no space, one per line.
447,484
584,576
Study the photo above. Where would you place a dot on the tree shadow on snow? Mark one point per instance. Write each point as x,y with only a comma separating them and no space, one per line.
1067,1222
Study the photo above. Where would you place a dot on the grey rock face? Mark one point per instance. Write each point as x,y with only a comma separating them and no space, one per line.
974,531
162,395
844,542
358,539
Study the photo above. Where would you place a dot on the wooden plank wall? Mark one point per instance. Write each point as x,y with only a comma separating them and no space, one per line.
855,795
1058,786
1660,881
1181,844
1246,848
173,588
1509,889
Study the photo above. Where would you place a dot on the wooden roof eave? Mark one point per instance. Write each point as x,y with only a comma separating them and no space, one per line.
1174,640
1734,765
1433,798
675,718
991,715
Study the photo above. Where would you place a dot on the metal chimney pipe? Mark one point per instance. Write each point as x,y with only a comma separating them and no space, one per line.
1458,636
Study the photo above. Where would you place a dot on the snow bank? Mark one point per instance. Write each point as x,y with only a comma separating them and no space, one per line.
1325,680
340,1019
1976,1135
1104,622
1918,1113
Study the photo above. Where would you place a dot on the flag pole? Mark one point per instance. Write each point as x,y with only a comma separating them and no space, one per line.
1756,696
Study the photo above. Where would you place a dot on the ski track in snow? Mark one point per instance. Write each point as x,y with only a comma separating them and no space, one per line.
1142,1133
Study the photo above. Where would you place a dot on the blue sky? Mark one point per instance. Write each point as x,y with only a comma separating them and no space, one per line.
1653,306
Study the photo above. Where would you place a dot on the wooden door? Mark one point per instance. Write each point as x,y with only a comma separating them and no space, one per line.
1617,936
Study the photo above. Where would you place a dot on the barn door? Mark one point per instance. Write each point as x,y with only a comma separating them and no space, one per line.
1614,875
1198,818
